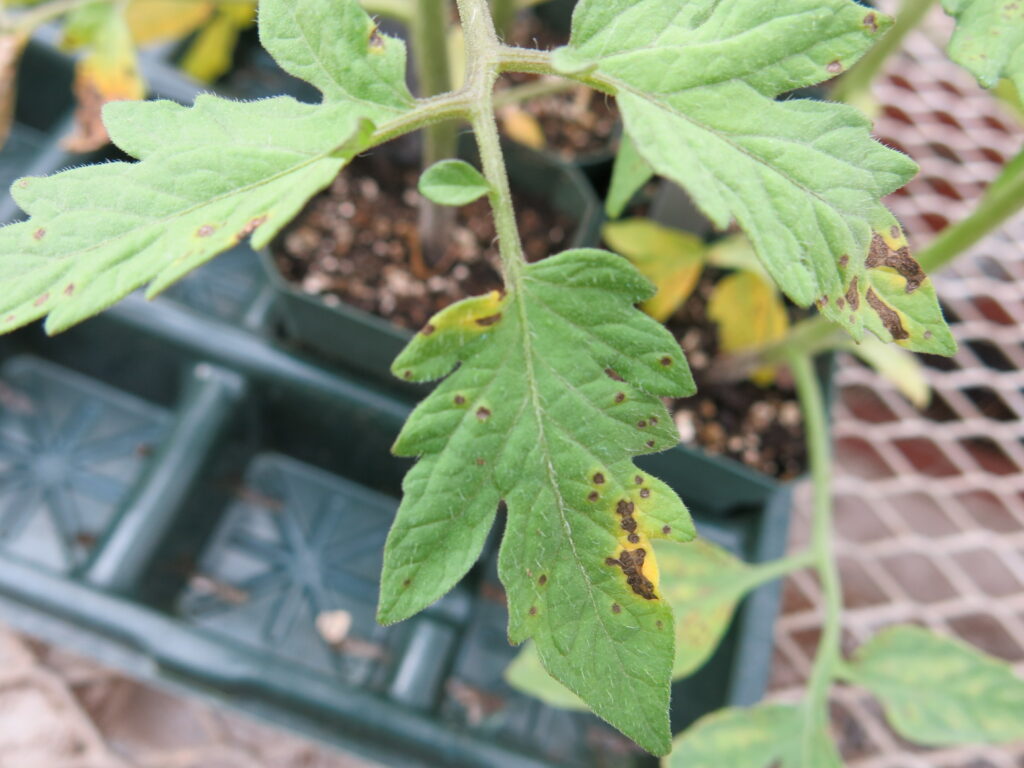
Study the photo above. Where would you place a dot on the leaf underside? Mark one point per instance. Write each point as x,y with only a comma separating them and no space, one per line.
938,691
209,177
989,39
557,388
697,84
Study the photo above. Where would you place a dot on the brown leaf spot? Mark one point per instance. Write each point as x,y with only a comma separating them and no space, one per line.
428,329
844,260
460,400
593,496
889,317
645,492
650,443
871,22
254,223
619,397
481,462
616,608
39,234
206,230
928,335
542,580
69,289
376,41
638,480
489,320
483,414
407,582
658,624
666,529
881,255
841,302
666,361
894,231
834,67
41,300
641,424
533,610
632,563
653,420
853,295
598,478
407,374
611,374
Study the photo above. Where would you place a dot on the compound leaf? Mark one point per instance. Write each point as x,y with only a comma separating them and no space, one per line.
938,691
557,388
765,736
209,176
696,83
989,39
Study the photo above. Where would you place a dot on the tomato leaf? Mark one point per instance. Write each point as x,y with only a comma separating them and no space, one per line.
989,39
750,314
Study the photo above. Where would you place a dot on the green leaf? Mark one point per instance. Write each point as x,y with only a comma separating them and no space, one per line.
453,182
750,314
767,736
700,581
558,386
901,368
209,177
696,85
989,39
629,174
938,691
671,259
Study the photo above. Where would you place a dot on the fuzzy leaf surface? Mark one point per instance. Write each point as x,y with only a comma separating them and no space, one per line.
697,84
210,176
989,39
938,691
558,387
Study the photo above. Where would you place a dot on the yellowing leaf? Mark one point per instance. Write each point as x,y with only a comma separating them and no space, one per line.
108,72
152,21
522,127
750,314
671,259
211,53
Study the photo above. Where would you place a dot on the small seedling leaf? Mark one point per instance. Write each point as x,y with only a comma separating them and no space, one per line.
453,182
750,314
938,691
556,387
697,87
989,39
670,258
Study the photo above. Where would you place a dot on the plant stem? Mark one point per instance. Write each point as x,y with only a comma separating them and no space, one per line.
1005,196
440,140
482,49
855,86
820,451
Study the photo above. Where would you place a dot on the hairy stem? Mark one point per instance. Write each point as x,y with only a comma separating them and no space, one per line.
855,86
1005,196
440,140
820,451
482,49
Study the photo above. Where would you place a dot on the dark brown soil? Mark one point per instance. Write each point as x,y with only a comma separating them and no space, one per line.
761,427
577,122
358,242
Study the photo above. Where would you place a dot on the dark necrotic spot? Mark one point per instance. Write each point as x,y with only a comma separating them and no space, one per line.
39,234
376,40
644,493
666,361
598,478
41,300
638,480
407,582
641,424
611,374
871,22
666,529
843,261
633,538
616,608
853,295
653,420
542,580
650,443
658,624
593,496
406,374
841,302
483,413
619,397
834,67
460,400
881,255
206,230
890,319
69,289
428,329
624,508
533,610
489,320
632,562
481,462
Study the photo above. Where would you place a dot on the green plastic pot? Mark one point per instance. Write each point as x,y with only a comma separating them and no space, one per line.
367,343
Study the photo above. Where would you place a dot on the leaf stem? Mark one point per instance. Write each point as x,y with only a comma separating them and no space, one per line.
482,48
826,662
855,86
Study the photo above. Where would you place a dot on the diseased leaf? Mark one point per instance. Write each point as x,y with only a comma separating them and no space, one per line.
766,736
901,368
629,174
153,21
989,39
750,314
210,55
700,581
453,182
938,691
108,72
696,84
557,389
670,258
209,177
